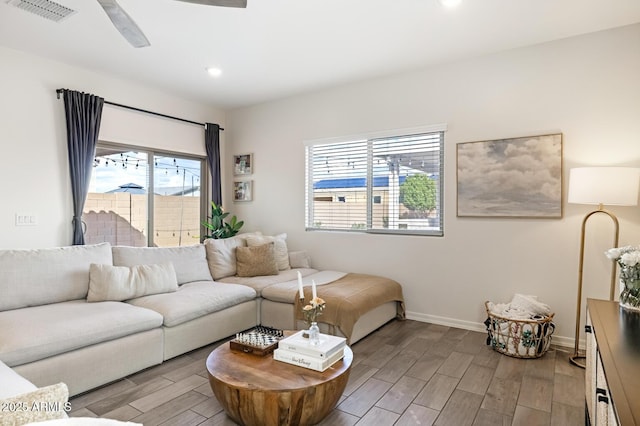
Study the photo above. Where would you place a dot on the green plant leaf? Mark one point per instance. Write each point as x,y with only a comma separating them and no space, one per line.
217,225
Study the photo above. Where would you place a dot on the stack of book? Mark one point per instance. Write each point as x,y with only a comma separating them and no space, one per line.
297,350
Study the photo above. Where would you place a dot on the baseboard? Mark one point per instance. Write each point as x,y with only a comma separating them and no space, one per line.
449,322
476,326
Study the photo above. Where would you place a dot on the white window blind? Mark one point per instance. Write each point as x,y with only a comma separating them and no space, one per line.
389,184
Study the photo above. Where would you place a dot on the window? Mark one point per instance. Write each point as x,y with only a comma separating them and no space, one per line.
120,210
385,183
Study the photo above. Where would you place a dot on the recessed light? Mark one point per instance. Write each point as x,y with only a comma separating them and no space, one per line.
450,3
214,72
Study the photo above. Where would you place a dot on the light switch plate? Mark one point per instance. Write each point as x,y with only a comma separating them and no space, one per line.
26,219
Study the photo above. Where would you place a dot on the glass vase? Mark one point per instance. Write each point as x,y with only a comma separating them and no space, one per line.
314,334
630,294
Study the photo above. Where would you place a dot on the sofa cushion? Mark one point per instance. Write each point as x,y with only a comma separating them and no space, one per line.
280,244
41,276
38,332
256,261
259,283
13,383
221,253
47,403
108,282
190,262
194,300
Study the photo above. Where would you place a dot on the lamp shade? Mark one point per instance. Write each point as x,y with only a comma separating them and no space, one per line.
613,186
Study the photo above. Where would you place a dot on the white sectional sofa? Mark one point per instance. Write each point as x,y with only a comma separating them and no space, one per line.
52,333
76,315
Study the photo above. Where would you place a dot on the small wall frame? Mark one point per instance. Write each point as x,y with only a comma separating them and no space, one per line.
243,190
242,164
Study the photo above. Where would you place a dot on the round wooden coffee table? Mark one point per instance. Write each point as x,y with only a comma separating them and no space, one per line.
257,390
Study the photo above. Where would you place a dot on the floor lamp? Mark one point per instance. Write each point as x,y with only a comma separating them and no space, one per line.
610,186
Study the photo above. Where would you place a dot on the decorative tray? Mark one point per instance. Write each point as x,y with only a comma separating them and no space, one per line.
259,341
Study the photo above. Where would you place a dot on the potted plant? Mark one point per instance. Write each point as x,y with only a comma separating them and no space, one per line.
218,227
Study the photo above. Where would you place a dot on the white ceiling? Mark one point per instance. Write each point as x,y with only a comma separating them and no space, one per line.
278,48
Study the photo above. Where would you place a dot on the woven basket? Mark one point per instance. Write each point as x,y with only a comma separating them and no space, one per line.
519,338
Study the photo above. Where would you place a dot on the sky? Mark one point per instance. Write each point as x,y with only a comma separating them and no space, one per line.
132,167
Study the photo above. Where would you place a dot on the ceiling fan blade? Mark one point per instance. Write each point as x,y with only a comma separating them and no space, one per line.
123,23
223,3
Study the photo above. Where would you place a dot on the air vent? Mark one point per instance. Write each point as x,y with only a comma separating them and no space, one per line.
44,8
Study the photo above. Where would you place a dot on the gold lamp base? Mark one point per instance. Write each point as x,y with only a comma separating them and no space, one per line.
576,354
578,360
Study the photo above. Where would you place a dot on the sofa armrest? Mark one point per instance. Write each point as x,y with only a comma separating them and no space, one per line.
12,383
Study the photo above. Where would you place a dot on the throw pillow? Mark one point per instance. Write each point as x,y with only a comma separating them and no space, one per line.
299,259
221,255
47,403
280,241
256,261
119,283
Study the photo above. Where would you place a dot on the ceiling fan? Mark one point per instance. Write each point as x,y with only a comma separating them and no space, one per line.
132,33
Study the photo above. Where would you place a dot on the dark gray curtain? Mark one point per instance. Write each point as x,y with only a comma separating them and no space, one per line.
83,112
212,145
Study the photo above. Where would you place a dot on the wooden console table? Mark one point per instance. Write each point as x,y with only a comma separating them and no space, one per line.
257,390
613,364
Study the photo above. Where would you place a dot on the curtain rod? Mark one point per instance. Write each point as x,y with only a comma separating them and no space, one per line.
60,91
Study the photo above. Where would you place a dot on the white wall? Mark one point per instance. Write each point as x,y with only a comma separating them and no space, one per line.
34,173
585,87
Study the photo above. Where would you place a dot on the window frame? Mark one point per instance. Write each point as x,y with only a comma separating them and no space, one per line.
370,138
205,193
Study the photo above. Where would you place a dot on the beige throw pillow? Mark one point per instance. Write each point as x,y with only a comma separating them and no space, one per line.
256,261
119,283
299,259
221,254
47,403
280,241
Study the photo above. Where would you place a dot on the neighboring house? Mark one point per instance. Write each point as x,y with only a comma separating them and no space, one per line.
337,198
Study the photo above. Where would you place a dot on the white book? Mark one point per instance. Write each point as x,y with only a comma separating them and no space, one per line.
306,361
328,344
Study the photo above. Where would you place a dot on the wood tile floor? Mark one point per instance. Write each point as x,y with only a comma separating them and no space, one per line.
405,373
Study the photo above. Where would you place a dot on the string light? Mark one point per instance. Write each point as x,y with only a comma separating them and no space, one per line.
123,160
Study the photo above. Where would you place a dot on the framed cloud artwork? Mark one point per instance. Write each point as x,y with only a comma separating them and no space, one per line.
516,177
